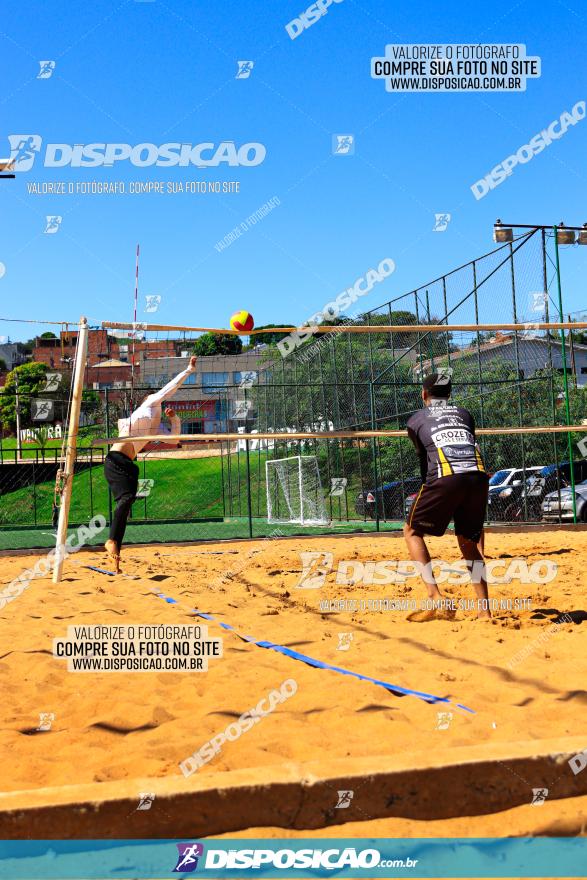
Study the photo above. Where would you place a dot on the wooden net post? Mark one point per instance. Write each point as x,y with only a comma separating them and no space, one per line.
71,448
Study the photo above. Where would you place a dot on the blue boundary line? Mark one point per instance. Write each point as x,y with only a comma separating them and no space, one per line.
320,664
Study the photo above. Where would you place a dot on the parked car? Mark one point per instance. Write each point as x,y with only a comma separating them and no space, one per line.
558,506
501,489
390,499
525,502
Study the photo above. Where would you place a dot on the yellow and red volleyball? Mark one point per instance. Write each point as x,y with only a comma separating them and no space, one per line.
242,320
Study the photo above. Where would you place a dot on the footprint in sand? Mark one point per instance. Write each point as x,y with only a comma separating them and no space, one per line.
425,616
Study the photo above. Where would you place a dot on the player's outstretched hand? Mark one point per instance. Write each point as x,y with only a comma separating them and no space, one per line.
169,412
193,361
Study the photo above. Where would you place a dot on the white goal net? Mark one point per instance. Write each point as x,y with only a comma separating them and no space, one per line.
294,491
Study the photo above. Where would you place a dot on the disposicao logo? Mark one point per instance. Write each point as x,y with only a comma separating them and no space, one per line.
187,859
24,149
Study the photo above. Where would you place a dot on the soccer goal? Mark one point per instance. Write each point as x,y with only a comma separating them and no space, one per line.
294,491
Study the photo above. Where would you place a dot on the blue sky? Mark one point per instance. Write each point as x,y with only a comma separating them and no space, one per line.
156,72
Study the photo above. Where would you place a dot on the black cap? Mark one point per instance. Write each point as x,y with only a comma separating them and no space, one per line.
437,385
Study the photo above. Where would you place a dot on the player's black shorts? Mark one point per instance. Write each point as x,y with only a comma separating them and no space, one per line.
462,497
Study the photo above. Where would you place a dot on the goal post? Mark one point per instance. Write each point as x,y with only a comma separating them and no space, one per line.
294,491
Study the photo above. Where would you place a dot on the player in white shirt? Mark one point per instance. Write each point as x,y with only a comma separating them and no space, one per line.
120,469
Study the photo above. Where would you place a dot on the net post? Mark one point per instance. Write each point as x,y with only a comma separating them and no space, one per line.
71,448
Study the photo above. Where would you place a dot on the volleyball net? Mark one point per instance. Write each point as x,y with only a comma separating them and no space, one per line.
334,394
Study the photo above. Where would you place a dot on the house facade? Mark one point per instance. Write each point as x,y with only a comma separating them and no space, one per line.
530,354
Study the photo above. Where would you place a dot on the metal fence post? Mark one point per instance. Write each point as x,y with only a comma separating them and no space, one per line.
518,377
565,374
374,450
249,505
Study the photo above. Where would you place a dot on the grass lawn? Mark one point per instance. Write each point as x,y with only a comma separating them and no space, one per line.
205,498
183,488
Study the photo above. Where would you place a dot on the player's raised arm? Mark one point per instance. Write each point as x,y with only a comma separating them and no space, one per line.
169,390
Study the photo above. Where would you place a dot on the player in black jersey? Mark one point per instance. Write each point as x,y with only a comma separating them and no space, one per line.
455,486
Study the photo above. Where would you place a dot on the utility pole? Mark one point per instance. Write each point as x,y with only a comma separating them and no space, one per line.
17,401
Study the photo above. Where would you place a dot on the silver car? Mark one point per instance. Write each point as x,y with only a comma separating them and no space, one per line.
557,507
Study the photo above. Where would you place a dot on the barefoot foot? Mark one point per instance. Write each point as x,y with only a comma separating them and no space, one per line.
113,552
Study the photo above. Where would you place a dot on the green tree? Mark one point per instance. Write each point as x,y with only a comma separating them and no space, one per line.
93,412
29,345
217,343
270,338
399,338
31,379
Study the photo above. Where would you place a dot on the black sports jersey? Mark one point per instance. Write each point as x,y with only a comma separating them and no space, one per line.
444,437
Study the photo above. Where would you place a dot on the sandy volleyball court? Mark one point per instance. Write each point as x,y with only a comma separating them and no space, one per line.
523,678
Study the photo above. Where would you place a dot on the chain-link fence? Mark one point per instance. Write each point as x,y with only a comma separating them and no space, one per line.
358,381
332,382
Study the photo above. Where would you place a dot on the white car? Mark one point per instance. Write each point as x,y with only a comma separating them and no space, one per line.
557,508
508,476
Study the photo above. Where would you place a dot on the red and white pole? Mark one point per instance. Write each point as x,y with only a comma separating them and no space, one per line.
135,314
